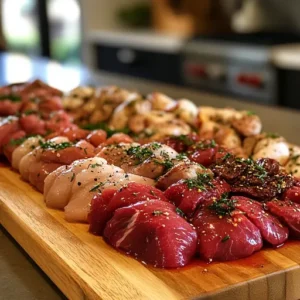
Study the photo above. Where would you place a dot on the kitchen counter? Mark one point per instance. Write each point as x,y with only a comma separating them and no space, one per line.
20,277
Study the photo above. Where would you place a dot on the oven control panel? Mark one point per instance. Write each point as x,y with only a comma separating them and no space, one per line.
252,81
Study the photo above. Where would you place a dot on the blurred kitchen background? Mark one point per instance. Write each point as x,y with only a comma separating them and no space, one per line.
246,49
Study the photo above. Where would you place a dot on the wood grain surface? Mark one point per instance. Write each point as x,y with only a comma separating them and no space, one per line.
83,266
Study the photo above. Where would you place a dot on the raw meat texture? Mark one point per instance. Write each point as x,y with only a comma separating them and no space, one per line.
289,213
8,126
97,137
26,147
118,138
103,205
73,133
58,121
183,170
73,187
270,227
32,124
227,238
34,170
149,160
181,143
189,199
9,108
292,194
152,232
262,179
15,139
80,150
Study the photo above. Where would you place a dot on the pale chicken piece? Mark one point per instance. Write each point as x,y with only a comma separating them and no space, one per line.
161,101
149,160
275,148
134,105
219,115
61,177
185,110
77,97
250,142
29,145
247,124
75,192
33,157
293,164
116,154
158,124
228,138
208,129
184,170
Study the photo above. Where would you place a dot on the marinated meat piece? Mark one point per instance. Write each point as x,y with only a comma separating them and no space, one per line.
73,133
292,194
8,127
33,124
152,232
261,179
65,153
189,194
289,213
8,108
184,170
15,140
270,227
104,205
58,121
224,237
97,137
181,143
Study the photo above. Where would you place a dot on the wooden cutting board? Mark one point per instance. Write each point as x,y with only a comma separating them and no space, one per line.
83,266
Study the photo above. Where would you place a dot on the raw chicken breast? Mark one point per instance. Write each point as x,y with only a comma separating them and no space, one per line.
74,186
149,160
152,232
26,147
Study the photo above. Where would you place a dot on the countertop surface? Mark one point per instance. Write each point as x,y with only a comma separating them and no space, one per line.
20,277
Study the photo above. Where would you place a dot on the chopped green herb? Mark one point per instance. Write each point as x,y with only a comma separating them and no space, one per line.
272,135
106,128
179,212
93,166
223,206
96,187
206,145
250,113
181,156
57,147
226,156
140,153
295,158
185,139
73,176
225,238
202,182
17,142
13,98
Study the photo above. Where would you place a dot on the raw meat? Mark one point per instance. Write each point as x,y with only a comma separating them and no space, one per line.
270,227
73,187
188,194
289,213
103,205
225,237
152,232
